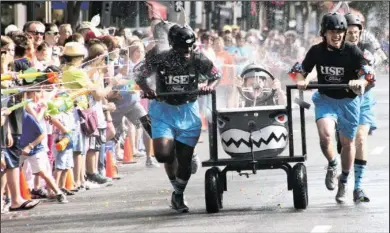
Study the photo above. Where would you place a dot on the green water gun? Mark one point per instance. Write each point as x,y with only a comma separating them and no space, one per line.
19,105
11,91
58,105
63,103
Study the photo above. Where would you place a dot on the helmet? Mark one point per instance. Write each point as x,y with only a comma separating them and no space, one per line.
161,29
181,36
253,70
333,21
353,20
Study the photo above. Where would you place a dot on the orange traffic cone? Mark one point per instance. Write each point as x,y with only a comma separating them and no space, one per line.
204,122
69,183
24,190
111,169
128,152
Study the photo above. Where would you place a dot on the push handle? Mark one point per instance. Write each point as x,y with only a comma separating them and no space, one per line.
196,92
324,86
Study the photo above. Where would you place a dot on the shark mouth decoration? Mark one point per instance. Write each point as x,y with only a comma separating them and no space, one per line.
271,137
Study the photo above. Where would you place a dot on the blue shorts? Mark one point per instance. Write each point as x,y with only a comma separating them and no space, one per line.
64,159
367,116
11,159
79,143
180,122
345,112
12,154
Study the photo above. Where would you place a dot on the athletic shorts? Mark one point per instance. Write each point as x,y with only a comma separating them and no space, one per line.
345,112
367,116
132,113
180,122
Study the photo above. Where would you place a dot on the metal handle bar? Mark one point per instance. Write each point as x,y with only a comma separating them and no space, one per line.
325,86
196,92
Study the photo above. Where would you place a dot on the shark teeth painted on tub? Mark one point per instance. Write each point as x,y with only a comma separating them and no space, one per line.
270,137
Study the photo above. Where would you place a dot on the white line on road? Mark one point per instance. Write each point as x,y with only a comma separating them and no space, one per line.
321,228
378,150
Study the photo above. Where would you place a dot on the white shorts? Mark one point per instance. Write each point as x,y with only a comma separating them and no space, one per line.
37,162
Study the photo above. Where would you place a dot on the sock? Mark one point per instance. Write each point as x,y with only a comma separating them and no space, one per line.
180,185
332,163
344,177
359,166
173,182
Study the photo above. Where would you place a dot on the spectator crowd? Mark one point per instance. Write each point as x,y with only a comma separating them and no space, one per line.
98,65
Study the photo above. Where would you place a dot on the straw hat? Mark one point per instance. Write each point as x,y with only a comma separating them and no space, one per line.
74,49
227,28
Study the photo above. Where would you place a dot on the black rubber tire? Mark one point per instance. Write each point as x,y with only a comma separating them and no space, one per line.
213,196
300,189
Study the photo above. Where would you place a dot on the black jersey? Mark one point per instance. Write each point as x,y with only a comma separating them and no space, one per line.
175,74
334,67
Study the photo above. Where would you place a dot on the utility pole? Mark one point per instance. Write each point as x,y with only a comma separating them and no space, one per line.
234,13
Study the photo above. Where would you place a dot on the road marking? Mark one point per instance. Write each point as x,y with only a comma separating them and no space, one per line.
378,150
321,228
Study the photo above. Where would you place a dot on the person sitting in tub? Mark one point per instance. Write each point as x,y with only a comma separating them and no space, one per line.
255,87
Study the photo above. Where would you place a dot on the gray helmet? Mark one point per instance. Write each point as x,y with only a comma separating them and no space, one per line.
253,70
353,20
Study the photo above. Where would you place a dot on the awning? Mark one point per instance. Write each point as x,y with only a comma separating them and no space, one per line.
157,10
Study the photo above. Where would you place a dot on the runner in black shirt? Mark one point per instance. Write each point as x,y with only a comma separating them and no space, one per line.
176,123
337,62
366,119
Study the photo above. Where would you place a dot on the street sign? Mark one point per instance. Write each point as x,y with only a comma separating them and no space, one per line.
179,5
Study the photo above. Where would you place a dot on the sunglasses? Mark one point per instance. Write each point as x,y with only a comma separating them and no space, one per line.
52,33
36,33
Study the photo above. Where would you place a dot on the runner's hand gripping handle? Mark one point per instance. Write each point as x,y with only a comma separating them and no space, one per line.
305,104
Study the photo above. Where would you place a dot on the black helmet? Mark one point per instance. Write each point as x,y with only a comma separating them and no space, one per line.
353,20
333,21
160,30
181,36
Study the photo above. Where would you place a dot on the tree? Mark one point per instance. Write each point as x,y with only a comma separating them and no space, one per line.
73,12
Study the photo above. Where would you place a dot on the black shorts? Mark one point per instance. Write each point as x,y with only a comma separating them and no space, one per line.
96,141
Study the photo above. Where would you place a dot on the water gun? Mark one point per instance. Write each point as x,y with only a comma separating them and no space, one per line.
31,75
63,104
130,86
19,105
63,143
11,91
297,68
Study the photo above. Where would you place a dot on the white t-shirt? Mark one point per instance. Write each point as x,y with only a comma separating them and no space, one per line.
98,106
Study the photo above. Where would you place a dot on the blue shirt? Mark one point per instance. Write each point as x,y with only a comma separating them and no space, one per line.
128,98
31,131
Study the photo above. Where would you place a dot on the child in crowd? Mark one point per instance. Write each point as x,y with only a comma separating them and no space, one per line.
63,130
34,153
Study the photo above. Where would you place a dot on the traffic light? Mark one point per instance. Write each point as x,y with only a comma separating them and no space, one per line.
106,13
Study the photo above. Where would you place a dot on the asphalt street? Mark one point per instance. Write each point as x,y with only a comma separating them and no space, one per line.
139,202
